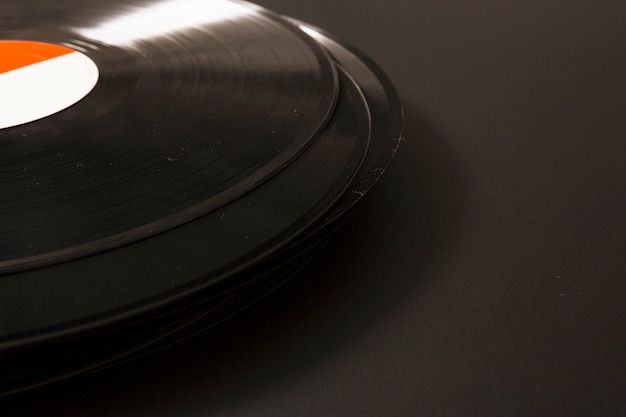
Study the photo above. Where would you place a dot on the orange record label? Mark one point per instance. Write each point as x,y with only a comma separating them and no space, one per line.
18,54
40,79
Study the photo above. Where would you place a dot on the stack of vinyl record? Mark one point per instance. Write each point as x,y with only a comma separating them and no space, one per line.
163,164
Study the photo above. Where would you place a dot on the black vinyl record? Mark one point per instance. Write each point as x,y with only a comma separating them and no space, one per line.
208,297
179,123
182,159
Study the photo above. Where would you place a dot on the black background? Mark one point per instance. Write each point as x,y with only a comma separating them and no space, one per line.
484,275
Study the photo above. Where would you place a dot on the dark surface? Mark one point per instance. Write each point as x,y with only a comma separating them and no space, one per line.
484,274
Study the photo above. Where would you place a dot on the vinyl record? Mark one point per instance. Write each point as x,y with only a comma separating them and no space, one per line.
183,158
201,297
193,107
184,119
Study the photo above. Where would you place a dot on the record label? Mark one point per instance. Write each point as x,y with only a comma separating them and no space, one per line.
39,79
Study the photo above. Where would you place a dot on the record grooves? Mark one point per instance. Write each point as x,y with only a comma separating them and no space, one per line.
197,167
